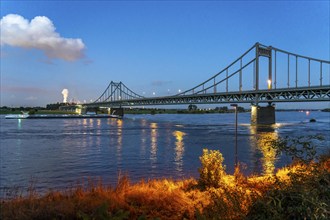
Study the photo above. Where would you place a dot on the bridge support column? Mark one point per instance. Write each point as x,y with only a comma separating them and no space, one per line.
116,111
262,115
83,111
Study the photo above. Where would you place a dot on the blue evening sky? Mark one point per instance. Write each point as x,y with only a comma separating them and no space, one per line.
153,46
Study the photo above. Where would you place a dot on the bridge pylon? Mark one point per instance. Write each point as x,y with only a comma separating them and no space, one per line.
262,114
263,51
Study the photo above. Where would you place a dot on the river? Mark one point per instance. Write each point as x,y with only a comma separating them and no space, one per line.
59,153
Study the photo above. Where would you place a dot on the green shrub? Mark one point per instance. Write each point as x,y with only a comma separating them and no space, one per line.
308,194
301,148
308,197
212,170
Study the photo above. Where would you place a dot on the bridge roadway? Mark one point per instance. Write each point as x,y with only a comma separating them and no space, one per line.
301,94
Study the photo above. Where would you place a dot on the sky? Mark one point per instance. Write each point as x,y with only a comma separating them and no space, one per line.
153,47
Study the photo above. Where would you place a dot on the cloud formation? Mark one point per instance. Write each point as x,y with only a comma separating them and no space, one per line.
39,33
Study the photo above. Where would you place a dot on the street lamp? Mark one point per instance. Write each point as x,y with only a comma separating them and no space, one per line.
269,84
235,106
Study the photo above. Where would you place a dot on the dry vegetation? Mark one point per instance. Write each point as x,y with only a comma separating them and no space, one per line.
301,191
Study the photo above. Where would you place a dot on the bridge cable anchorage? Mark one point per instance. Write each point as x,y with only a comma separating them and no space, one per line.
249,72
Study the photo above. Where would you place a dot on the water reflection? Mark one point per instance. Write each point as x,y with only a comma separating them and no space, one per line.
112,132
143,136
154,136
98,134
89,132
19,124
119,138
19,141
261,137
179,149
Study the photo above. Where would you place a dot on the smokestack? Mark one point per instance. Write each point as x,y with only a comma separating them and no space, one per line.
65,94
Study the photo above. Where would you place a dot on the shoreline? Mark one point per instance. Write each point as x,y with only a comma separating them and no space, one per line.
237,196
55,116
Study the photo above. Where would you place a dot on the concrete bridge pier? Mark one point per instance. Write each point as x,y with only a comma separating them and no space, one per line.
116,111
262,115
82,110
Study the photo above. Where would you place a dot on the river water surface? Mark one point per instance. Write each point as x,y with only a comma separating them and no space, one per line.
57,153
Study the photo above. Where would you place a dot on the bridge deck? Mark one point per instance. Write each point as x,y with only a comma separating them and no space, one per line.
304,94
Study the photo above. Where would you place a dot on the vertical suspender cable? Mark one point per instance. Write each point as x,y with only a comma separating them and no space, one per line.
254,74
226,80
270,68
240,76
288,70
309,72
275,72
257,68
215,87
296,71
320,73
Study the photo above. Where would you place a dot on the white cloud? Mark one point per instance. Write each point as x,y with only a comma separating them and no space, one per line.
39,33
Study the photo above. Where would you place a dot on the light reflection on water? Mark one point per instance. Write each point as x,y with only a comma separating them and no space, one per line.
261,136
153,151
61,152
119,139
179,149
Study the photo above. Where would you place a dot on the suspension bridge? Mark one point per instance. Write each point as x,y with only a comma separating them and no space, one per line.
263,74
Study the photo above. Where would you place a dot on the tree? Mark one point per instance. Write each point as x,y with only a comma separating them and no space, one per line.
192,107
240,109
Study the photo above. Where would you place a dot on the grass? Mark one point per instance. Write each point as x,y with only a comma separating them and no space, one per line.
300,191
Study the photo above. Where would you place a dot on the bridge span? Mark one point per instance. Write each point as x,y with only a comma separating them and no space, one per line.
263,74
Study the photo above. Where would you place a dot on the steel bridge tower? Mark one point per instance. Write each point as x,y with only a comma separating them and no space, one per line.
263,114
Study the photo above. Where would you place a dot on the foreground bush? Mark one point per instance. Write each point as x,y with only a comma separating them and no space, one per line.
305,196
300,191
212,170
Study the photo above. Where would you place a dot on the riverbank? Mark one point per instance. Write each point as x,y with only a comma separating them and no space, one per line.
41,112
299,191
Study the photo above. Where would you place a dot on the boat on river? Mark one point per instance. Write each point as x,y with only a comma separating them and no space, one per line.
18,116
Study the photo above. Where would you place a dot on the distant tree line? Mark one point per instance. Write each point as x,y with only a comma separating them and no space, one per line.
193,108
56,106
21,108
52,106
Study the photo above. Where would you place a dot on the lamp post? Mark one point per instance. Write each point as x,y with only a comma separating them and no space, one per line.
235,106
269,82
269,88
